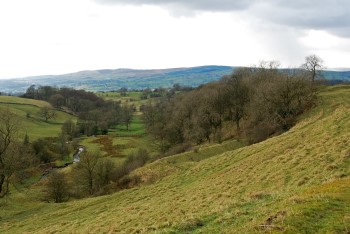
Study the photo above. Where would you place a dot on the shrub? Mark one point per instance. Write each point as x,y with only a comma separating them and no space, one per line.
104,172
57,187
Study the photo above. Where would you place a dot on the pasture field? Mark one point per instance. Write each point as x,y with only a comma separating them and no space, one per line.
26,101
132,98
120,142
27,112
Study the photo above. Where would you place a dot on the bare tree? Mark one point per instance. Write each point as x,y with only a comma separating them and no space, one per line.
47,113
87,168
8,132
57,187
127,114
237,97
69,128
313,66
57,100
104,172
11,155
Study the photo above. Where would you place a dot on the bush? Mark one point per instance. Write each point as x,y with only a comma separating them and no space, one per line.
95,176
104,172
57,187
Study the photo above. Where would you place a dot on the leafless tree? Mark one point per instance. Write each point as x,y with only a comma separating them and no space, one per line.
12,152
57,187
87,168
237,97
313,66
47,113
127,114
104,172
8,132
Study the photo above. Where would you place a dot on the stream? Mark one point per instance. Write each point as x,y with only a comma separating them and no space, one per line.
76,156
52,167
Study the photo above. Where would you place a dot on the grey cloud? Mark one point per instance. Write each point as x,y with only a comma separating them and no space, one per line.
330,15
196,5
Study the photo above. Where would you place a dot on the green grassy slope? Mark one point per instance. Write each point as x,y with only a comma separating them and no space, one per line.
297,182
25,101
33,124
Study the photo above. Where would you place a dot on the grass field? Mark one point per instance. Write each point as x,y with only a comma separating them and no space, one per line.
27,112
132,98
114,95
120,142
18,100
297,182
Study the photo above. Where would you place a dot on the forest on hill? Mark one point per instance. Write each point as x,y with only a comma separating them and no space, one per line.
115,79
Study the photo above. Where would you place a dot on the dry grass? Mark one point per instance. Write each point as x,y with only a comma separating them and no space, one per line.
279,185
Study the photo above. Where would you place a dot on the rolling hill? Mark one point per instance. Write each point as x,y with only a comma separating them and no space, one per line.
114,79
27,111
297,182
108,79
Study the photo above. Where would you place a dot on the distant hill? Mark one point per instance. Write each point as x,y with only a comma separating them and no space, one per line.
337,75
113,79
108,79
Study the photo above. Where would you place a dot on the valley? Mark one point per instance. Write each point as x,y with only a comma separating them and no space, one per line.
174,117
295,182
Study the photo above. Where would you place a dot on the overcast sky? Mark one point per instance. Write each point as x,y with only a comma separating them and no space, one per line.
40,37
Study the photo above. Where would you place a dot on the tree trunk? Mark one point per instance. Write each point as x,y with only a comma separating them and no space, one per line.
208,138
91,188
2,180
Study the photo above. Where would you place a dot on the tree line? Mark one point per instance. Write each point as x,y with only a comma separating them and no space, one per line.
259,101
95,115
93,175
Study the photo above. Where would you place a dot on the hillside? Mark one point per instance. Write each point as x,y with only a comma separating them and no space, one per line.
27,111
114,79
23,101
297,182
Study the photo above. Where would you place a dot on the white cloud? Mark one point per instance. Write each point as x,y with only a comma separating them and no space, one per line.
61,36
329,15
